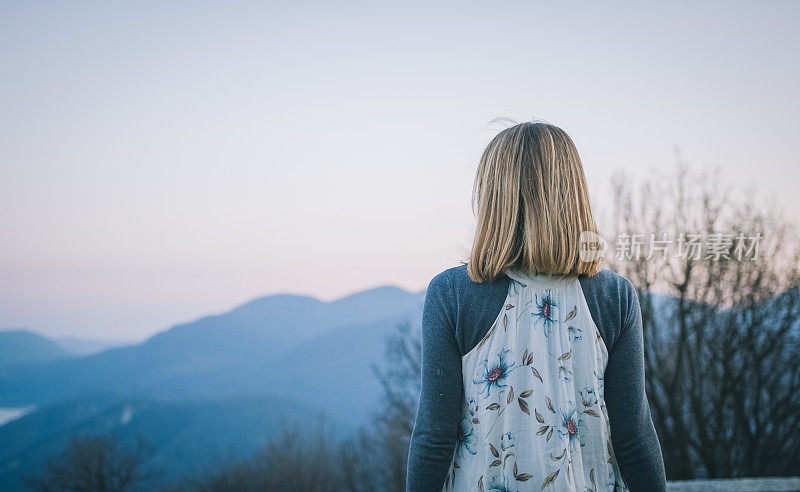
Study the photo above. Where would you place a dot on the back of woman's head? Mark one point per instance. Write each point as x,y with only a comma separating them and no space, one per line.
532,204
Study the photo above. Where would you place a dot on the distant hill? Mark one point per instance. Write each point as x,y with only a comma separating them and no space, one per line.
23,347
207,391
219,385
86,346
186,438
211,356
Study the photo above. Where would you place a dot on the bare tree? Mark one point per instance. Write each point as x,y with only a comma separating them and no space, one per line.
722,337
298,460
92,463
394,421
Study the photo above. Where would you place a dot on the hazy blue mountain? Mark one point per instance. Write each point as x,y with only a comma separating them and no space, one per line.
184,438
78,346
337,368
23,347
213,389
210,356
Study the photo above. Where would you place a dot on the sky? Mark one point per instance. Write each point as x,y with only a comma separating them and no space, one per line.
160,161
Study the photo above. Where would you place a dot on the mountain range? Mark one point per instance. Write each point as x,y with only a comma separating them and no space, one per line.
228,381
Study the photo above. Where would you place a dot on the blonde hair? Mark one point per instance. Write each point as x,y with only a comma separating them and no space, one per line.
532,204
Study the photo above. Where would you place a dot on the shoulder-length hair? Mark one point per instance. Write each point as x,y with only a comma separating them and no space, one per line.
532,204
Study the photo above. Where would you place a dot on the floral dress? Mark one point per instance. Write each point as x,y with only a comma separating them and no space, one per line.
534,417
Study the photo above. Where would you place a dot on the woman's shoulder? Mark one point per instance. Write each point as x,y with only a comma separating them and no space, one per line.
612,299
609,283
471,306
456,279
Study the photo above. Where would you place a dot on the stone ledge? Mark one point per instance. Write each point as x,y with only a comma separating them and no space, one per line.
765,484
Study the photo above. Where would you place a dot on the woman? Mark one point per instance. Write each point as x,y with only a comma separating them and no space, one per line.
532,356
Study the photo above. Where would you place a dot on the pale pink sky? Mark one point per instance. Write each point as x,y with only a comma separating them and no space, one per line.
160,161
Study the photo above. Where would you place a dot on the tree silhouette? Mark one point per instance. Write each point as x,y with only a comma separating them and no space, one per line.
92,463
722,337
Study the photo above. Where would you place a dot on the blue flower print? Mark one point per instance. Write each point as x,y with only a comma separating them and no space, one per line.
467,440
493,372
600,384
573,429
501,483
588,397
544,311
507,441
565,373
473,405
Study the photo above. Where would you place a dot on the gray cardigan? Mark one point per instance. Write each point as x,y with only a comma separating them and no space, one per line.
457,315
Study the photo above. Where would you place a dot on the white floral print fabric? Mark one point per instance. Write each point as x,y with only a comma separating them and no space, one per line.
534,416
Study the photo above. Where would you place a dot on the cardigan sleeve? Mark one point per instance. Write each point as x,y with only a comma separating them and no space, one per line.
633,435
439,410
